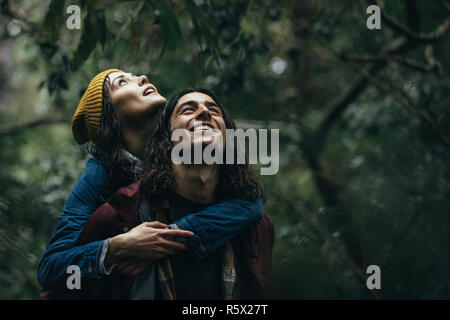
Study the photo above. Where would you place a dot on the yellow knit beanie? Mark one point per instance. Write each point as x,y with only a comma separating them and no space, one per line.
88,116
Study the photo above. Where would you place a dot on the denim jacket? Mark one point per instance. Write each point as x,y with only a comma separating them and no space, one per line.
213,227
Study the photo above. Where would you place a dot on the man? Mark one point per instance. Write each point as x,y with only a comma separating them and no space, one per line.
168,191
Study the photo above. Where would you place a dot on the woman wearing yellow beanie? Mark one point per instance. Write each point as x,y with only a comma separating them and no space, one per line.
116,116
116,113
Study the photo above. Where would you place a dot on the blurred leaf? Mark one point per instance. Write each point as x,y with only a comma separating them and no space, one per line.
124,49
168,20
54,20
204,29
103,31
135,39
88,39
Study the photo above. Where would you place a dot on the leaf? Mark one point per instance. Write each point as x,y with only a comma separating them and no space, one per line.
169,24
41,84
205,29
135,39
122,50
103,31
88,40
54,19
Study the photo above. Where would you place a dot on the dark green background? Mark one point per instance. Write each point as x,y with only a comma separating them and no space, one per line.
363,116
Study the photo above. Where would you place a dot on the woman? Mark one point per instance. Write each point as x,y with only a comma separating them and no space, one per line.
117,114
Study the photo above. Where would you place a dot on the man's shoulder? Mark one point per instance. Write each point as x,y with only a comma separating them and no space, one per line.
265,230
262,233
126,194
126,199
266,223
124,202
121,210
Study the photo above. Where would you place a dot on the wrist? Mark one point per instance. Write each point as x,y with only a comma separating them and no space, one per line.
115,250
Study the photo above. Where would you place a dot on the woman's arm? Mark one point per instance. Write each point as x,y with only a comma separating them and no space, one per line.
212,227
218,224
61,250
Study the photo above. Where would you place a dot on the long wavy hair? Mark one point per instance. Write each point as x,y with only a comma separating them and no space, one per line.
108,146
157,179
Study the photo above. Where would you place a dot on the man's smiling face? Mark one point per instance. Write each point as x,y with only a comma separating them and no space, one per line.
199,114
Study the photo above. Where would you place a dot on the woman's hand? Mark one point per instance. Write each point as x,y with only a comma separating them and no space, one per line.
149,240
132,267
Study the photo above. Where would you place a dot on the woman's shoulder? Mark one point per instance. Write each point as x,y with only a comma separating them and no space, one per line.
92,181
95,173
94,166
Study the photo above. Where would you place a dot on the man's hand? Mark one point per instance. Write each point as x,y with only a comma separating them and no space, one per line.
149,240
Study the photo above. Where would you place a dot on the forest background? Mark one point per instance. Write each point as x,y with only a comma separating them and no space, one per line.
363,115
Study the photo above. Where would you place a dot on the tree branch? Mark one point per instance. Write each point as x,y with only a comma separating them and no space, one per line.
431,37
433,64
14,14
404,100
132,16
412,15
12,130
445,5
291,205
339,105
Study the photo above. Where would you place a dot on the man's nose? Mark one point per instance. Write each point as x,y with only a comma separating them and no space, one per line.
142,80
203,113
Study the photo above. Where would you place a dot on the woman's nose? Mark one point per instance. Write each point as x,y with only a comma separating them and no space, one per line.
142,80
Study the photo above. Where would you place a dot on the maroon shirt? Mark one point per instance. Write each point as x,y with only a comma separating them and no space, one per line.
253,248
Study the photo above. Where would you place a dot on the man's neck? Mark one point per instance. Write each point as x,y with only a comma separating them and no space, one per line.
196,183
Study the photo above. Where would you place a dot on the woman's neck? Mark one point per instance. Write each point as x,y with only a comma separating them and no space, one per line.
135,138
196,183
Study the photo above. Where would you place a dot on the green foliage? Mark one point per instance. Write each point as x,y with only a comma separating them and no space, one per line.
168,20
92,32
363,174
54,20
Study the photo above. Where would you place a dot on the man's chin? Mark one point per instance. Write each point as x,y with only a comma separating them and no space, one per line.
205,140
203,143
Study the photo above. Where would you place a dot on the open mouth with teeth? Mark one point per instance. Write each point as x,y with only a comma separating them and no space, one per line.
149,91
202,128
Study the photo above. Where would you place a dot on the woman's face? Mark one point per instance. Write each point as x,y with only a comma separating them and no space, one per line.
133,97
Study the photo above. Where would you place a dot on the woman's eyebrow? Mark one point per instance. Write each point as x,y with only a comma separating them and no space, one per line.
121,76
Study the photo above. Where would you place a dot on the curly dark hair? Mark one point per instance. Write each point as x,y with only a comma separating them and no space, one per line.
107,148
157,179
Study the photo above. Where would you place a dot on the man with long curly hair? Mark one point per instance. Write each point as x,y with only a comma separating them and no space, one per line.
165,192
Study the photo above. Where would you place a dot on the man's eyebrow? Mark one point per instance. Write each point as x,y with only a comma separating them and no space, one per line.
190,102
211,103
